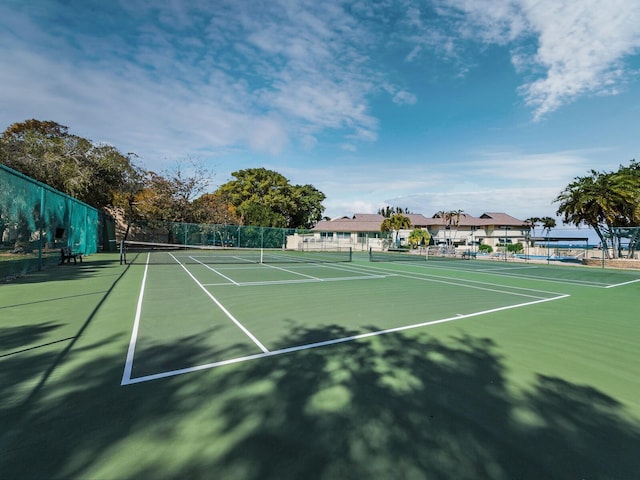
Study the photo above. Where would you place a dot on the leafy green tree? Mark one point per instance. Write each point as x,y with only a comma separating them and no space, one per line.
266,198
515,248
307,206
36,149
215,208
47,152
258,214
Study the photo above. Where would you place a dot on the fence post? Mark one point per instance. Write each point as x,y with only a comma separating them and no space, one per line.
41,228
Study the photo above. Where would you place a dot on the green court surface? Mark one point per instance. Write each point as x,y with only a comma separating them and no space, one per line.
429,369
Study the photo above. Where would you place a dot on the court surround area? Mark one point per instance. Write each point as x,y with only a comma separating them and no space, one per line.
257,367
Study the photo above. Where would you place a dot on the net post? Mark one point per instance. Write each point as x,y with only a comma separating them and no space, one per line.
122,257
41,228
350,254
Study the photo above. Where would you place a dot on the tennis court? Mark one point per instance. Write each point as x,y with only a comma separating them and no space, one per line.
219,363
252,303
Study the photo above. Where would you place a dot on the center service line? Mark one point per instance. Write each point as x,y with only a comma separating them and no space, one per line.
226,312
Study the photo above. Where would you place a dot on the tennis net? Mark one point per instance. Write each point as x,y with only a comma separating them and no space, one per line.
133,252
397,255
420,255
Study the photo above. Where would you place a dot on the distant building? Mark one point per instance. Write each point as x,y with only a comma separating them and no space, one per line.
492,228
362,231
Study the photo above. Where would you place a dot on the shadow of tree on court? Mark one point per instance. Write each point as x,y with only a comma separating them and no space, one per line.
393,406
54,273
20,365
12,339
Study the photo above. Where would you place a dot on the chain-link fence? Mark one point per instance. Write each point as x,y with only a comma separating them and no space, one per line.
206,234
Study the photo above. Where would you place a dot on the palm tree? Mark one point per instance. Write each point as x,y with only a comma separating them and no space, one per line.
547,224
419,237
449,218
395,223
580,204
454,219
601,201
533,221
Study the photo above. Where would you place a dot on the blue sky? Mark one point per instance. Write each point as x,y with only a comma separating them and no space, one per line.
479,105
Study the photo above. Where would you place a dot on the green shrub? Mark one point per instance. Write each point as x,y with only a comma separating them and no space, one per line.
485,248
515,248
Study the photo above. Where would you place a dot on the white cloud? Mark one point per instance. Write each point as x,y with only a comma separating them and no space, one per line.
340,208
518,183
261,77
349,147
580,46
415,51
514,166
269,135
520,202
405,98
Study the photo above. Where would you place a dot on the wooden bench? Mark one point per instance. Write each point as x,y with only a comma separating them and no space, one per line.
66,254
469,255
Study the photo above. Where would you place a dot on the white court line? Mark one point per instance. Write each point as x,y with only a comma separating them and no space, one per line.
310,280
221,307
355,269
493,269
325,343
291,271
243,261
213,270
128,365
623,283
360,270
295,281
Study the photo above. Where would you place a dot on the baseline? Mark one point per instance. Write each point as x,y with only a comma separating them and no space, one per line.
623,283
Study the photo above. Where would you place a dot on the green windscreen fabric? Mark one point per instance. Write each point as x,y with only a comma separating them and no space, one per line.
36,221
